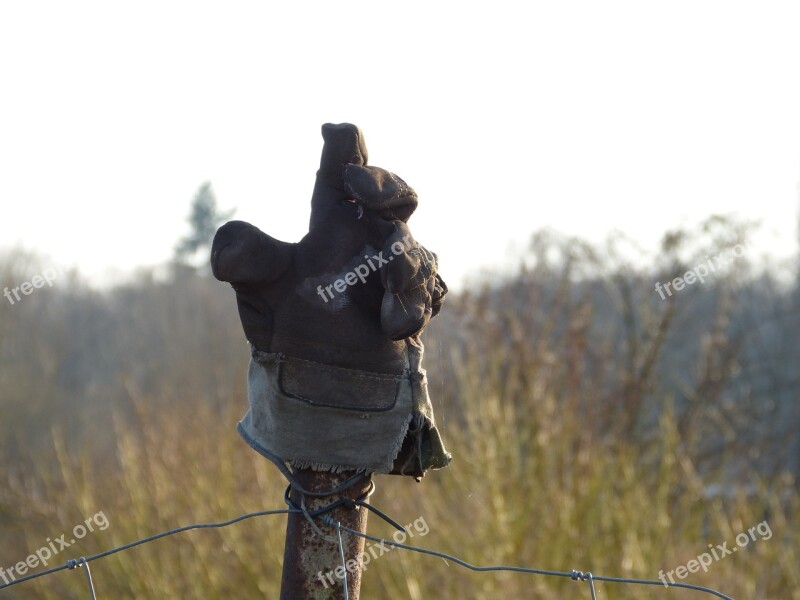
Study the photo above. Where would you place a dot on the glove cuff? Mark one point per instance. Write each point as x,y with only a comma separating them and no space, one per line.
312,415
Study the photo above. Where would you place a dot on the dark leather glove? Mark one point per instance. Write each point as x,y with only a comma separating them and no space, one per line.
334,322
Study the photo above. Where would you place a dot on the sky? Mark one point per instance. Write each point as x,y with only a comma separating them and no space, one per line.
584,117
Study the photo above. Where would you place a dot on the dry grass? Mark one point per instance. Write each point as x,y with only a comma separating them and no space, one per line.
528,487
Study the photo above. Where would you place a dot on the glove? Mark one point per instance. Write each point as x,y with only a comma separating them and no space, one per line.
335,380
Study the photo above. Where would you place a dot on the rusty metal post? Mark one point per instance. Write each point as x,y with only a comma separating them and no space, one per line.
312,567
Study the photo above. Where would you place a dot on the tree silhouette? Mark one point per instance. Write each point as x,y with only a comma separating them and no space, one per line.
204,220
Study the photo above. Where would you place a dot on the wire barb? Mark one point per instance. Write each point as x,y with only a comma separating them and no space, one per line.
82,562
580,575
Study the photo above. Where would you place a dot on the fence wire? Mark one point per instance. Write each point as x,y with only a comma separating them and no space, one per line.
574,575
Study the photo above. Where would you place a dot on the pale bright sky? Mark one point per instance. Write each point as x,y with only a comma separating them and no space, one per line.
505,117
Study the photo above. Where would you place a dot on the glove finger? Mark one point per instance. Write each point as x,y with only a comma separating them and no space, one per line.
401,273
429,264
380,192
410,269
438,294
405,314
343,145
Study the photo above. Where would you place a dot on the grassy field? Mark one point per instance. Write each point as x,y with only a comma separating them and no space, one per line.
528,487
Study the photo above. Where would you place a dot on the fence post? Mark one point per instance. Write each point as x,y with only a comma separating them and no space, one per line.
312,566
